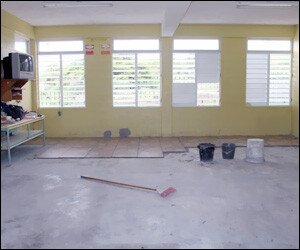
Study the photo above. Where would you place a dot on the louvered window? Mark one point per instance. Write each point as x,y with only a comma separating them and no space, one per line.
268,73
61,74
136,73
196,72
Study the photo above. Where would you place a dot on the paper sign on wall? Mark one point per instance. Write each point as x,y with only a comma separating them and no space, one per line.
89,52
105,46
105,52
105,49
89,46
89,49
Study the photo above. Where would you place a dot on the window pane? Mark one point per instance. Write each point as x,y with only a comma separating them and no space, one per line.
183,67
196,44
73,80
268,79
208,94
136,79
49,80
269,45
124,85
257,79
184,95
208,78
196,79
145,44
280,68
148,75
58,46
21,46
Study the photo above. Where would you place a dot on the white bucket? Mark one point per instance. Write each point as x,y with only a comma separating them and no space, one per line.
255,151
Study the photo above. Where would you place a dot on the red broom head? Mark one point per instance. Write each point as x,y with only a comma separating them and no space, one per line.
167,192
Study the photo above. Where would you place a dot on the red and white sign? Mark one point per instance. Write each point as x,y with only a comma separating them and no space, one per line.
89,49
89,52
89,46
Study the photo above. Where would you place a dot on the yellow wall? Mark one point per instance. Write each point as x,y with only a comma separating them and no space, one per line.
233,117
295,86
99,115
10,25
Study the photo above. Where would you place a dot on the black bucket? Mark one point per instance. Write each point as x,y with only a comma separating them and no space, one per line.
206,151
228,150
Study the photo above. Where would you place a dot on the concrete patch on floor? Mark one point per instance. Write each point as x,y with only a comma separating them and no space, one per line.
150,147
127,147
104,148
171,145
144,147
76,152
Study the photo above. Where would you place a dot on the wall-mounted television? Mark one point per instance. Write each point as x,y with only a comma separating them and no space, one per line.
18,66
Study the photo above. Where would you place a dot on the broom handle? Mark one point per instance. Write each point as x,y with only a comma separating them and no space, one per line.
122,184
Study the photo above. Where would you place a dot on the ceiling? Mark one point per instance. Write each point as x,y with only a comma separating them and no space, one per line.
167,13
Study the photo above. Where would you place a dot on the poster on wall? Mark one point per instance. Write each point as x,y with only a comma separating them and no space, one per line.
105,49
89,49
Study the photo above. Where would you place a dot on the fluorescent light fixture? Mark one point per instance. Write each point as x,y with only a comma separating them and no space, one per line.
274,4
74,4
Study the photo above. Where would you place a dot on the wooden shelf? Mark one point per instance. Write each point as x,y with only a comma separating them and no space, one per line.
11,89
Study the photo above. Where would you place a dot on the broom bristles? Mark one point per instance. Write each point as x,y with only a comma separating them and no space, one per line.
167,191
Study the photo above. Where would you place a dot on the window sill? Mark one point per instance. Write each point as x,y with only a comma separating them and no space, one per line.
268,106
61,107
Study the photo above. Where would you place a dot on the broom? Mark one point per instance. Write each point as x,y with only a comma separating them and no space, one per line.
164,193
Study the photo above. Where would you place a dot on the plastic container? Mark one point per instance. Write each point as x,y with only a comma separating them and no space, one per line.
228,150
206,151
255,150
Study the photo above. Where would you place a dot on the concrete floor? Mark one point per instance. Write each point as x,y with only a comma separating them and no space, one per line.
224,204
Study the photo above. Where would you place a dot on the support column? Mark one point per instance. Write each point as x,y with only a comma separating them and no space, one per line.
166,95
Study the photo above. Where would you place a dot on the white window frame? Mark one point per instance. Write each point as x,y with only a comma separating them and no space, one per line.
60,53
22,38
195,83
268,80
135,52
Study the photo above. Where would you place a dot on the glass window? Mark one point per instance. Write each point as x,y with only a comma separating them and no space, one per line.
21,44
196,44
196,73
269,45
268,74
61,79
141,44
60,46
136,75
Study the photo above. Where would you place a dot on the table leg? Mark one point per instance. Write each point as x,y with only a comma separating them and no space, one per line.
8,147
44,143
27,131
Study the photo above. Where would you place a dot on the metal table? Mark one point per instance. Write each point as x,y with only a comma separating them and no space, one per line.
10,141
